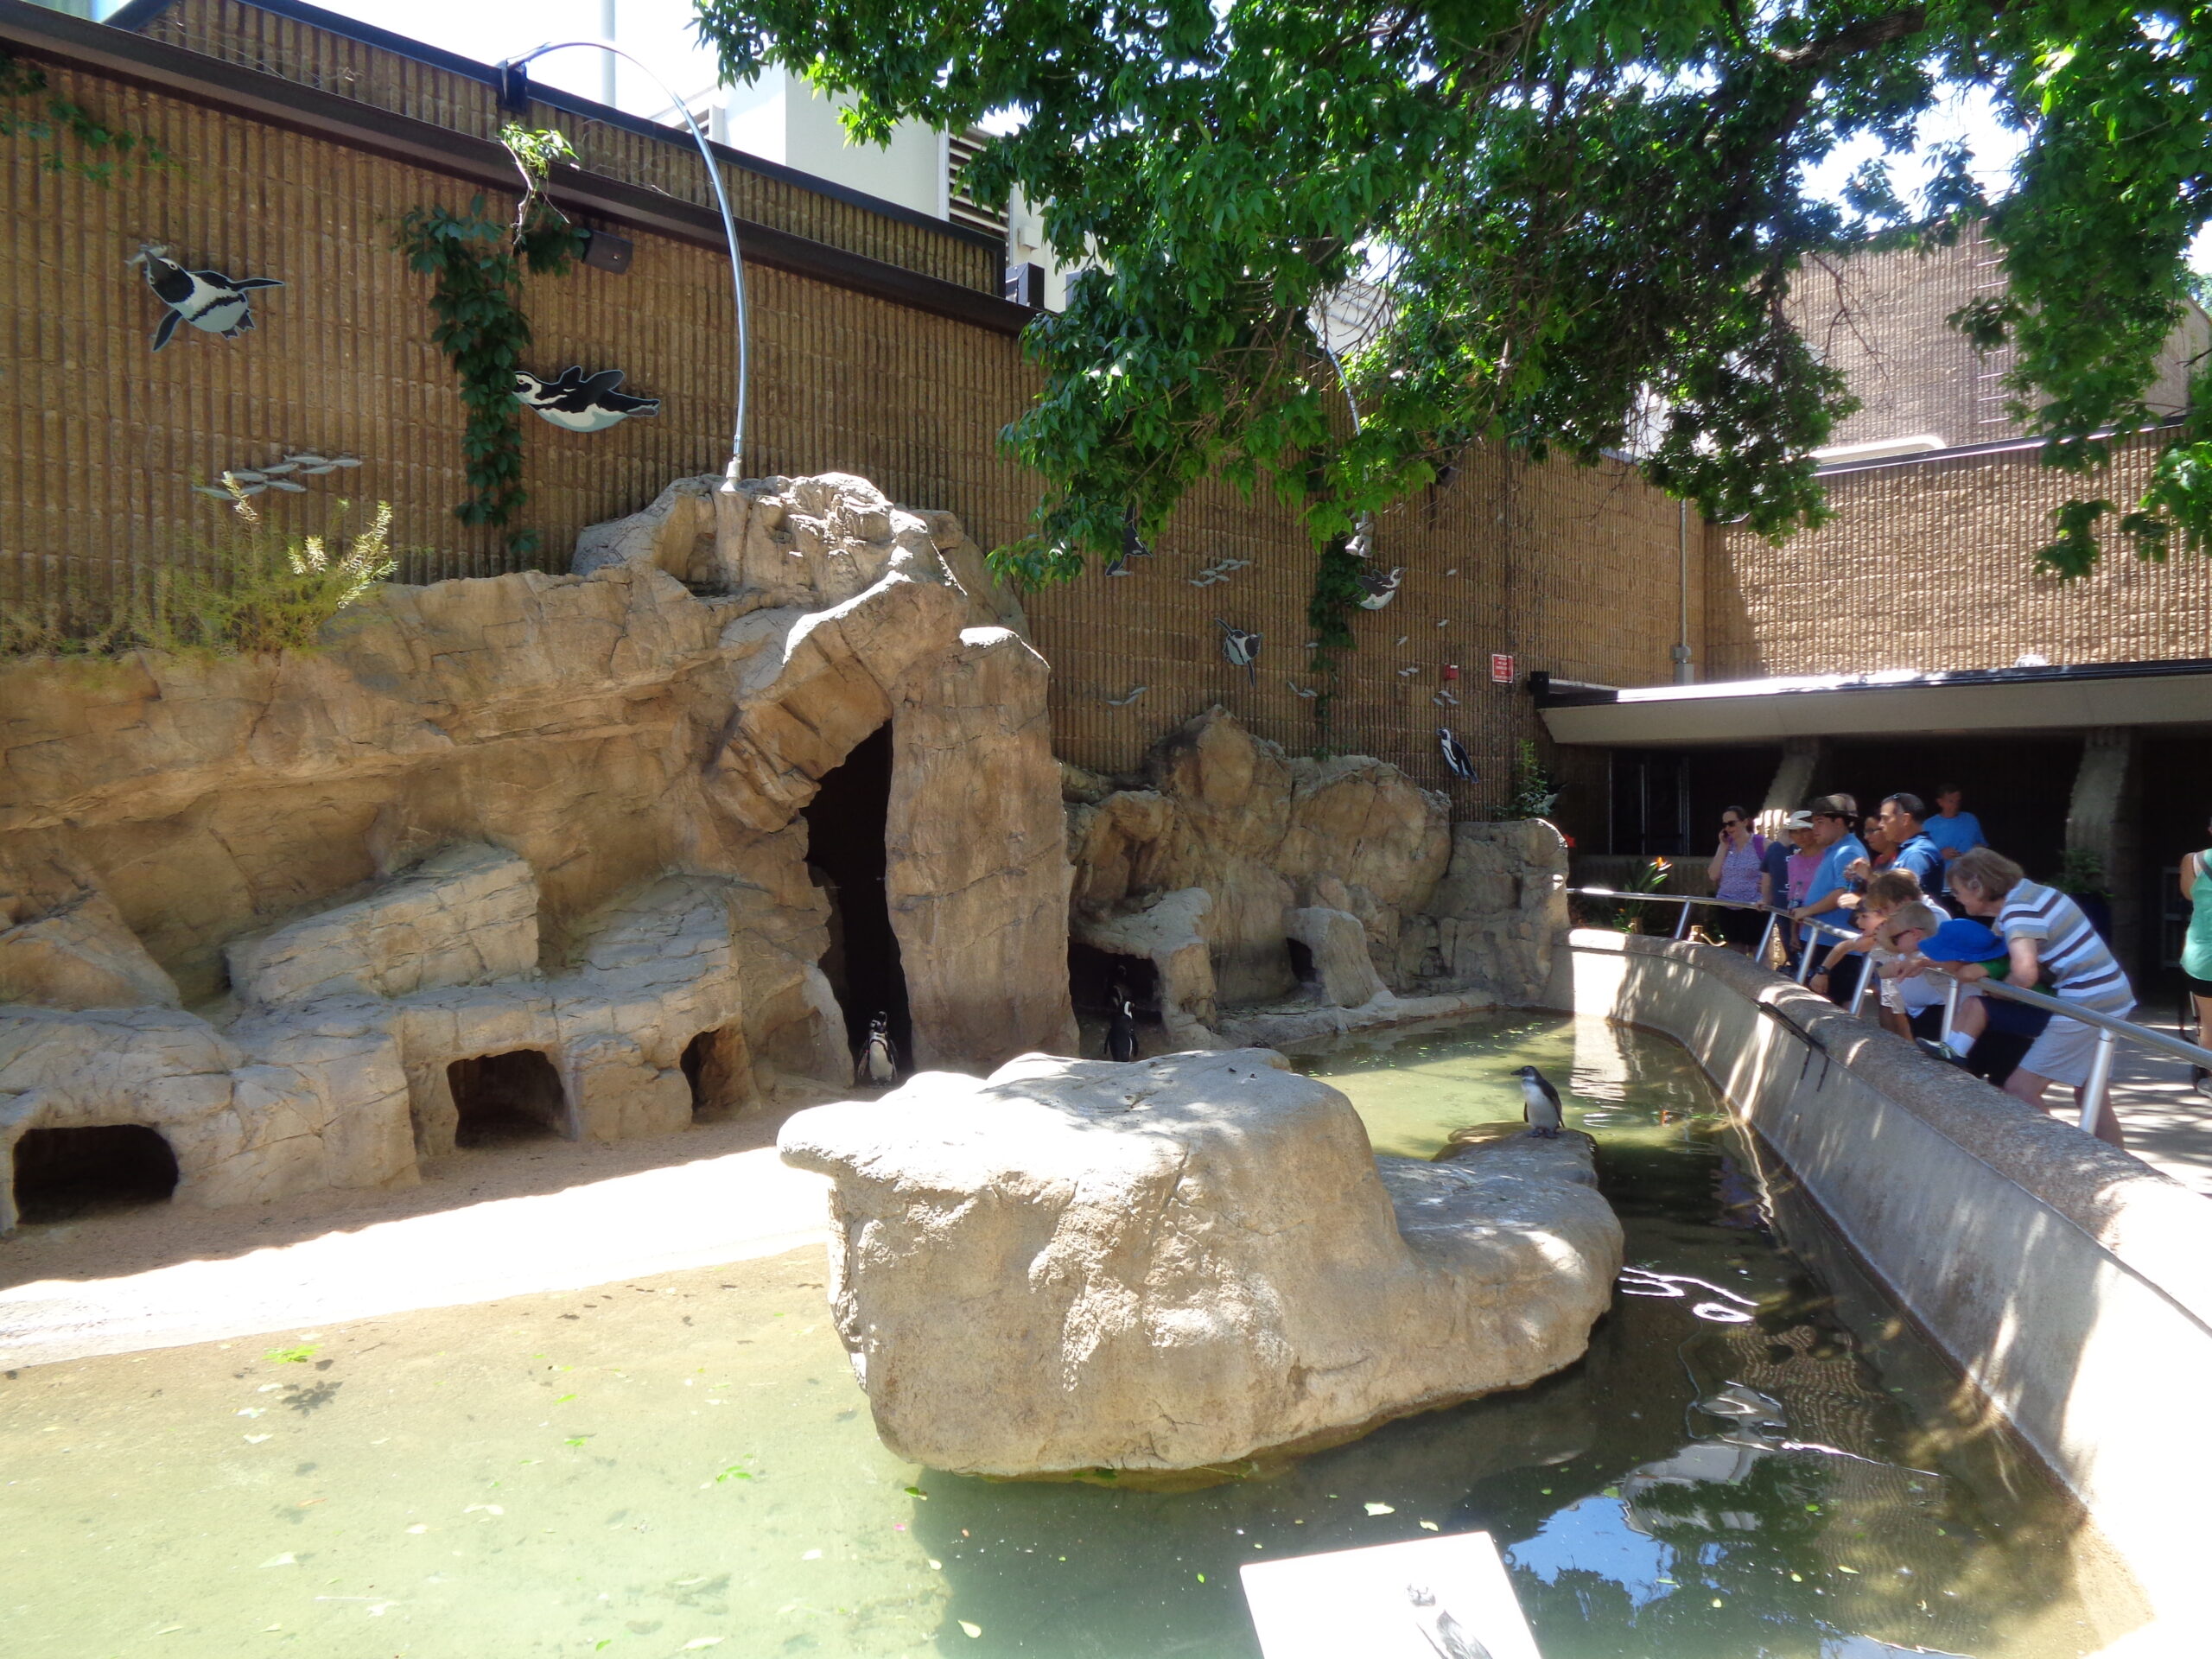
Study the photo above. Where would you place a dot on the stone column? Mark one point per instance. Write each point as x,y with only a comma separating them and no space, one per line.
2101,819
1793,782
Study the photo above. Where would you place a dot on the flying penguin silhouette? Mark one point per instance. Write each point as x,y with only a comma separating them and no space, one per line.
1121,1029
879,1056
1240,647
1457,760
206,298
1380,589
1539,1106
578,403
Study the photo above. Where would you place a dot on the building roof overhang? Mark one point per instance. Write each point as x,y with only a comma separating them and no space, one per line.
1966,701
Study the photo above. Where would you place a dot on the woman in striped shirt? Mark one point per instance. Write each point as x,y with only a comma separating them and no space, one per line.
2051,945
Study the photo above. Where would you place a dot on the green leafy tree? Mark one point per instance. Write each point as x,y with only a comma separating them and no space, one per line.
1584,215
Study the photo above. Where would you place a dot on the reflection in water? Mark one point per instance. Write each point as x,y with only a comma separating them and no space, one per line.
1742,1466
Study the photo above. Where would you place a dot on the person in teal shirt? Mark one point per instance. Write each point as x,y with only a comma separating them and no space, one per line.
1953,831
2196,949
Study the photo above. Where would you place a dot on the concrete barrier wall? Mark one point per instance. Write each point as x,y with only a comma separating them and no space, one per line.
2069,1283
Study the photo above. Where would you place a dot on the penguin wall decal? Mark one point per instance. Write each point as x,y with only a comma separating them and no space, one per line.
207,300
1457,760
1241,647
1377,590
577,401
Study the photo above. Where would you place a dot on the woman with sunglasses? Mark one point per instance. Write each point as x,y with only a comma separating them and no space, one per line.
1735,871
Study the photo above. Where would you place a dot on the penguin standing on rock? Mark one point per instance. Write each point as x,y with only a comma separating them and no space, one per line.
1539,1106
1121,1029
879,1055
206,298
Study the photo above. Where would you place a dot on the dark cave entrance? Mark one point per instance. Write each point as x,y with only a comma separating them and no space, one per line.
1092,976
62,1174
502,1098
713,1062
845,854
1301,964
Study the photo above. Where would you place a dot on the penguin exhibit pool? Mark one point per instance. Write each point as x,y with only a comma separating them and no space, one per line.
1756,1458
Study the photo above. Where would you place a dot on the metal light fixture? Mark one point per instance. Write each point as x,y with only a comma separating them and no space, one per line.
514,94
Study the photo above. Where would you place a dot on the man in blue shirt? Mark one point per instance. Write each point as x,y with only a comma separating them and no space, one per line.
1833,816
1916,849
1953,831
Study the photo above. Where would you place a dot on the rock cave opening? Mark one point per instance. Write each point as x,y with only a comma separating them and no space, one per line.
1301,963
846,855
502,1098
1092,976
62,1174
712,1064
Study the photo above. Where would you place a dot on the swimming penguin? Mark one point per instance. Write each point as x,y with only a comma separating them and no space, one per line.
879,1056
576,403
1380,589
1540,1104
1121,1029
1450,1639
206,298
1240,647
1457,760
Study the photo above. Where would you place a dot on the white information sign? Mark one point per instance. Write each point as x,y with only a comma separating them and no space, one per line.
1444,1598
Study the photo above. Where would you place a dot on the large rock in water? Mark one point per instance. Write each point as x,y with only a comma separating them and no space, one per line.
1179,1262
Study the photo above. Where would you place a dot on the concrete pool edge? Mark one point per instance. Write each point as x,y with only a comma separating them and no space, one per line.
2070,1284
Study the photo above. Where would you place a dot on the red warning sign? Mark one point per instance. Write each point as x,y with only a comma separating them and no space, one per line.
1501,669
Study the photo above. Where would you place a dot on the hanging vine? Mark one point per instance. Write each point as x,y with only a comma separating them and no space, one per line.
77,141
476,267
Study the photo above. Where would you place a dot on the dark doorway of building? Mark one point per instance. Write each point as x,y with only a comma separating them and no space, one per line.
845,854
714,1065
503,1098
61,1174
1650,815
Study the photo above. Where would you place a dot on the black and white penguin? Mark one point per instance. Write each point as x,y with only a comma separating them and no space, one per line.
1450,1639
206,298
879,1055
1457,760
578,403
1540,1107
1241,648
1121,1030
1380,589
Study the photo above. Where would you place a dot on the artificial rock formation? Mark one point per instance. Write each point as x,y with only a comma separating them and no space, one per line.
1180,1263
549,813
1234,850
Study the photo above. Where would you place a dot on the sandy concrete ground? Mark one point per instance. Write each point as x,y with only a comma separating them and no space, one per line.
2168,1123
536,1216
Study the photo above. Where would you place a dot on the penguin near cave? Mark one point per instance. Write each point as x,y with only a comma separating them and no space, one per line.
577,401
879,1055
1540,1107
207,300
1121,1029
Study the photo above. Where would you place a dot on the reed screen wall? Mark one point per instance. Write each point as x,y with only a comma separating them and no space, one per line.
102,440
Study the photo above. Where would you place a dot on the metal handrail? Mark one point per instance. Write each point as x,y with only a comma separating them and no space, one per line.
2111,1030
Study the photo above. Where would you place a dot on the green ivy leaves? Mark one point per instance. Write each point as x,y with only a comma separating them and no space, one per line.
77,141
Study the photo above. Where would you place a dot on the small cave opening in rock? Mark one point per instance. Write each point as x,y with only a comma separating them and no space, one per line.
712,1062
503,1098
61,1174
846,855
1092,976
1302,963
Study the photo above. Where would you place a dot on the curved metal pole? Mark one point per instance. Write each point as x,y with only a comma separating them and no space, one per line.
735,470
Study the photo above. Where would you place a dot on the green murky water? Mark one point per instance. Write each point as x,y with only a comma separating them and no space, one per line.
684,1465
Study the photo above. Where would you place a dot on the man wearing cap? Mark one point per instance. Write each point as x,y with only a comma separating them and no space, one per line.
1833,816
